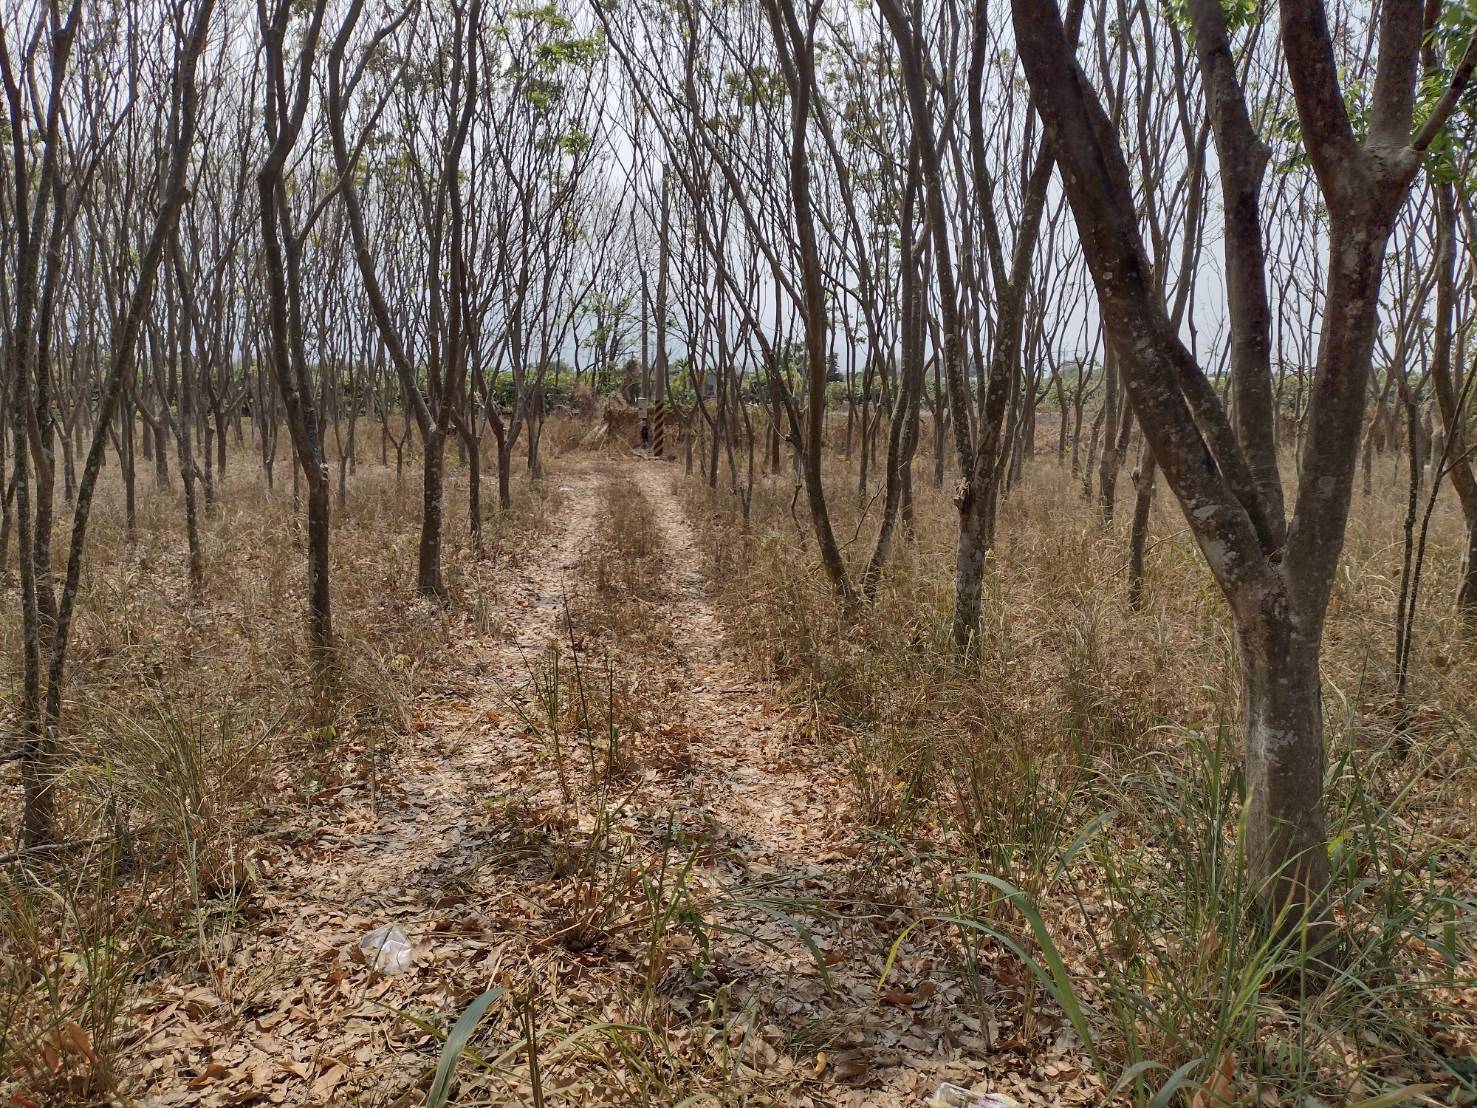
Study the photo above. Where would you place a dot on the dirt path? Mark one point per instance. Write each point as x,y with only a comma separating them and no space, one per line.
781,802
719,896
289,1016
752,776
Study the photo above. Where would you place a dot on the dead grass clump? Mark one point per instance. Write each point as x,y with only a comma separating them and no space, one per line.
624,566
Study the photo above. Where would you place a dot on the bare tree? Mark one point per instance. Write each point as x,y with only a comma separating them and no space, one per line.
1276,575
27,336
285,109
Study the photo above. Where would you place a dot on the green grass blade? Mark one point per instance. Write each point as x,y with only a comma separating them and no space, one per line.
456,1042
1058,979
1395,1097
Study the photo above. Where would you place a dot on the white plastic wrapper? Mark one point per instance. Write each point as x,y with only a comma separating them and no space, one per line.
954,1096
386,949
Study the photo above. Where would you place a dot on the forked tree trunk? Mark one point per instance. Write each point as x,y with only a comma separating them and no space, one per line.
798,65
1276,579
902,431
981,450
39,725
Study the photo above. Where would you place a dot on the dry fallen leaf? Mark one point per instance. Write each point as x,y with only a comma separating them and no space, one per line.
851,1068
329,1080
74,1040
1221,1089
212,1073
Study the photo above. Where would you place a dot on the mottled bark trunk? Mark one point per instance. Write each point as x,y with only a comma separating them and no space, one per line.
1077,436
192,519
126,461
1088,468
320,612
220,441
7,522
161,456
1283,717
1454,403
207,454
69,467
504,476
902,436
474,492
183,436
799,69
1466,596
1115,446
971,552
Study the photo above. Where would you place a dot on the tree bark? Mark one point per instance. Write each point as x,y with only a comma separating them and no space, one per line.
1278,600
797,60
1282,709
1138,537
428,571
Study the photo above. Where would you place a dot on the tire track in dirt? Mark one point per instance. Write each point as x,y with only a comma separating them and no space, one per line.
753,775
781,801
285,1015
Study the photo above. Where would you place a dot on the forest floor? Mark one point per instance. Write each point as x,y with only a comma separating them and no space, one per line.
601,813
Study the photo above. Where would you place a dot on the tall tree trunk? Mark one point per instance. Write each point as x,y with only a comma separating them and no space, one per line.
504,468
428,581
902,431
286,105
1138,537
179,334
1466,596
126,462
1454,405
161,456
1278,592
798,63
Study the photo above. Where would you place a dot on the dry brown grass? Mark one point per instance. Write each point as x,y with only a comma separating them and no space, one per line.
617,622
191,729
1085,755
1081,713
